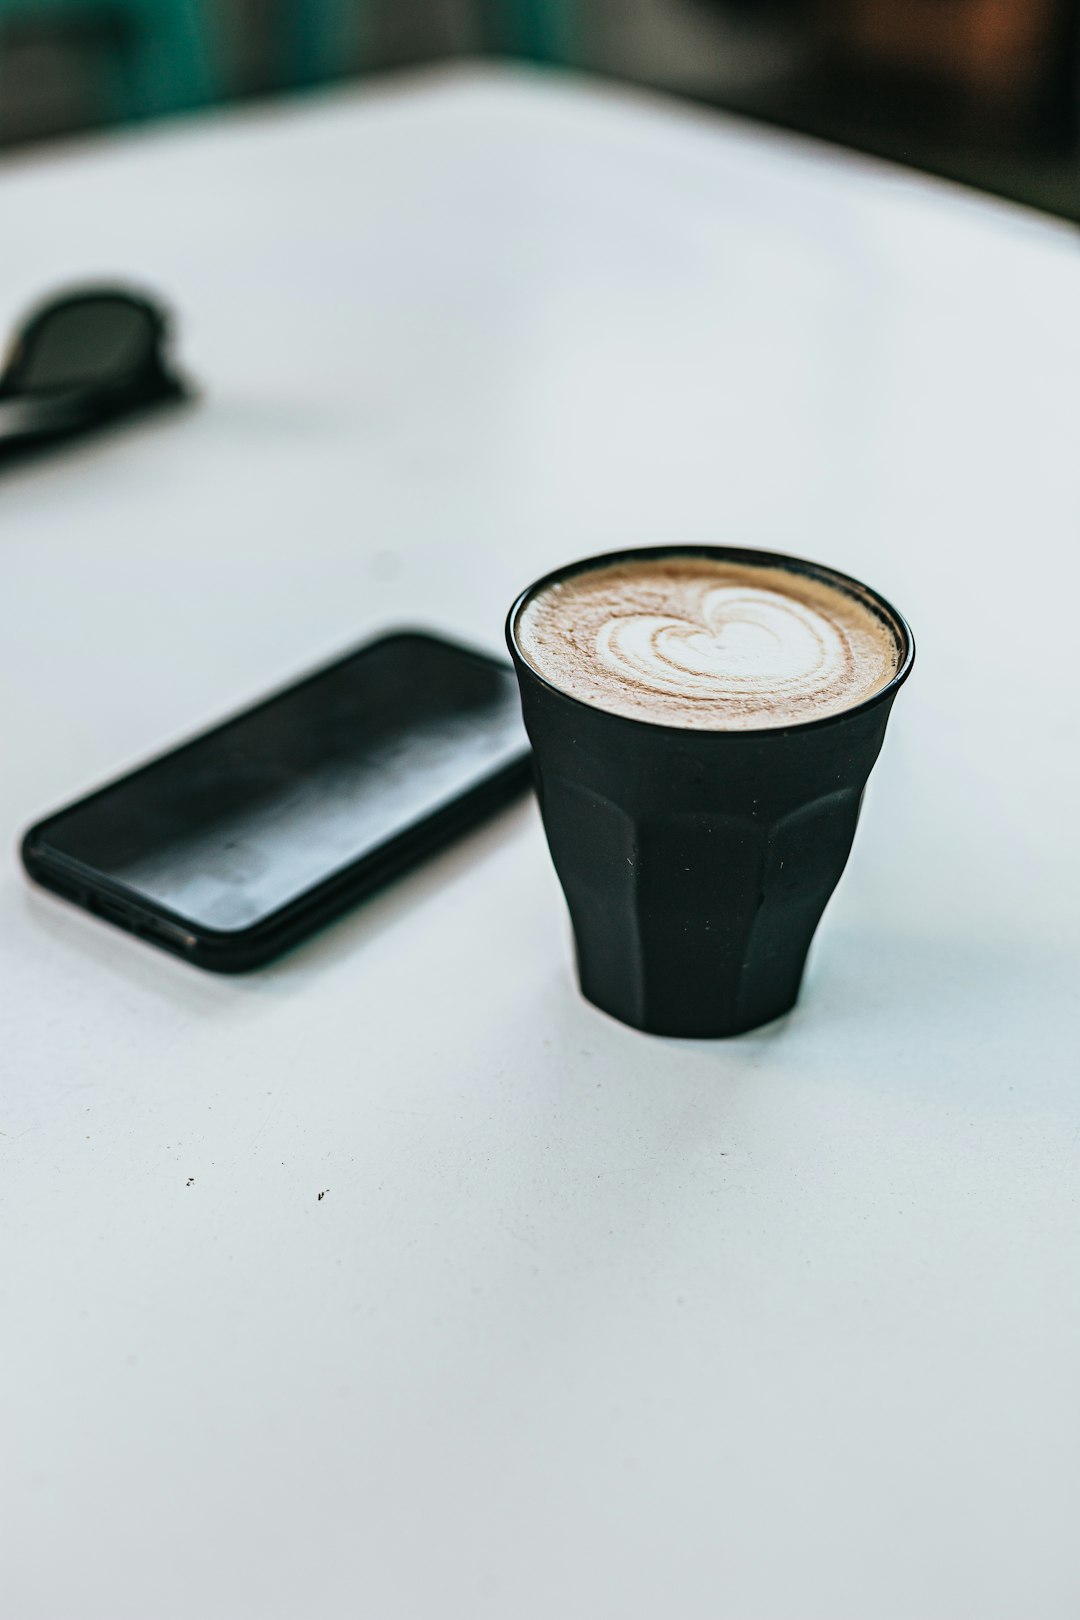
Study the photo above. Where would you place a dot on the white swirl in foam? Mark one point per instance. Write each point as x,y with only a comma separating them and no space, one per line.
748,643
707,642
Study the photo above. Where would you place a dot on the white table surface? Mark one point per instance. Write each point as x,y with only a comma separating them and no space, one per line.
587,1324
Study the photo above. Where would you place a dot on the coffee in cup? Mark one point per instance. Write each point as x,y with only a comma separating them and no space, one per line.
703,723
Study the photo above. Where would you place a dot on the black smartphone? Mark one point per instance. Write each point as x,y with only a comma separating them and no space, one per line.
241,842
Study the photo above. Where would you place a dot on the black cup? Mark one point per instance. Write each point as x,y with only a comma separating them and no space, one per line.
697,864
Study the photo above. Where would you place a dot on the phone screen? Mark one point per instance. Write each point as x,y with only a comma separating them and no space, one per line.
247,818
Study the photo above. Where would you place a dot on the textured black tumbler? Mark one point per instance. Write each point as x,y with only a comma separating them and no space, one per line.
697,864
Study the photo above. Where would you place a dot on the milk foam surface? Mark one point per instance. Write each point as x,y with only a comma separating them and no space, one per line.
708,644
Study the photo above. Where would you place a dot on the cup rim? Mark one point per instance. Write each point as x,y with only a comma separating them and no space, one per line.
745,554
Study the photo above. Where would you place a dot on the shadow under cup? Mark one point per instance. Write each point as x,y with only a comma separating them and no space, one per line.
696,864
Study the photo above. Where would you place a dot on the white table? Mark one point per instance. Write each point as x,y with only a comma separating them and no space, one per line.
587,1325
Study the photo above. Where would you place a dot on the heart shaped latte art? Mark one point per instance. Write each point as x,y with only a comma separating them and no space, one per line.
706,642
747,643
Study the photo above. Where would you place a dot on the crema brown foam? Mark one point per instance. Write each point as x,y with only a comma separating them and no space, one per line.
707,643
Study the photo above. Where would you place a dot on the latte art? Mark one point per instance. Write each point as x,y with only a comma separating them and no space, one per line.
750,640
702,642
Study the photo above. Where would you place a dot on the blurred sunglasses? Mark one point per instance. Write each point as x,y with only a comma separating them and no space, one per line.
83,360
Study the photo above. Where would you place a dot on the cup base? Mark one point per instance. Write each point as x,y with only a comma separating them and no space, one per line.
710,1026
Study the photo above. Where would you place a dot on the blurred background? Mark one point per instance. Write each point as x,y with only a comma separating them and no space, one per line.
983,91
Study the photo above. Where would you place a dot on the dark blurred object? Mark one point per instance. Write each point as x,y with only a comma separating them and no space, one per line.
986,92
123,58
995,51
83,361
320,39
982,91
975,88
537,30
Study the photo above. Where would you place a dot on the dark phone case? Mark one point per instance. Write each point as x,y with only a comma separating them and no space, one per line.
238,950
